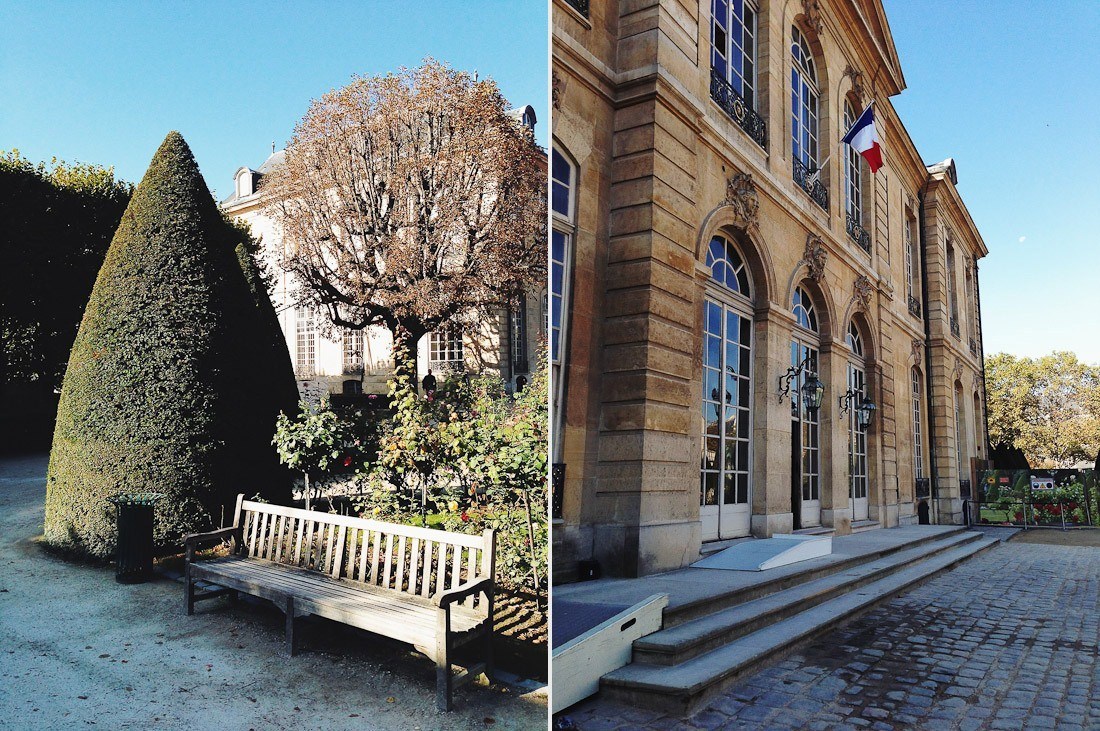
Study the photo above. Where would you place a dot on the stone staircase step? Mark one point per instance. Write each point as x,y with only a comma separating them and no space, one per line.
684,688
678,644
817,530
858,526
795,574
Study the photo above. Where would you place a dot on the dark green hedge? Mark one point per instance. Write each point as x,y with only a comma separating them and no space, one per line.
172,384
57,222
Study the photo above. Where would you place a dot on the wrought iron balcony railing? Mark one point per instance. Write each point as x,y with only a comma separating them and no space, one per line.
955,326
858,233
557,480
973,346
914,306
303,371
353,367
738,109
581,6
817,190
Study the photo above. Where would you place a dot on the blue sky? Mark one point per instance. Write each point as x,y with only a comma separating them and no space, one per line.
1010,89
104,82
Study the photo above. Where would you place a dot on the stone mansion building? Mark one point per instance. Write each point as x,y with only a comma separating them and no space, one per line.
734,295
333,360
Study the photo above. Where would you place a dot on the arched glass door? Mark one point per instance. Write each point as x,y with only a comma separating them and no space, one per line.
726,464
857,435
805,432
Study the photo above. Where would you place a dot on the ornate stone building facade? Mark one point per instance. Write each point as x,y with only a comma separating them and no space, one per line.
717,256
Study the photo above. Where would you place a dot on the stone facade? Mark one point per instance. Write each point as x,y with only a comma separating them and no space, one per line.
655,161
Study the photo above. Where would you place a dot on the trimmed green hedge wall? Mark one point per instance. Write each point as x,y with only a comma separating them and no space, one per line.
173,383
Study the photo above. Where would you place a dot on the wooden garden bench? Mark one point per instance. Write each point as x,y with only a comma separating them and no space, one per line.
429,588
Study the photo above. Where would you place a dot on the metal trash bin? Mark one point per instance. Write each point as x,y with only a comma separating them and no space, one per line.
134,548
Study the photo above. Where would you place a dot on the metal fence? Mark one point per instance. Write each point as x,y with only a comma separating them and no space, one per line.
1035,498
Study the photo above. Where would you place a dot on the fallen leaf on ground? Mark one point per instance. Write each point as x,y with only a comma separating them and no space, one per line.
391,699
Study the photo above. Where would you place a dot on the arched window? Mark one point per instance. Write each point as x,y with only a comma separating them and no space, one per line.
918,439
803,308
726,266
855,340
805,102
563,175
733,46
805,437
857,435
725,467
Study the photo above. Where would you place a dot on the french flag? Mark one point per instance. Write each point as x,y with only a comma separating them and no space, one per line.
863,137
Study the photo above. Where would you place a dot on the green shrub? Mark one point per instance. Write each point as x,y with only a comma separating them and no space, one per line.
172,384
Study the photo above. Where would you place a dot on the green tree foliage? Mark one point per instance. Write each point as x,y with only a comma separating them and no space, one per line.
476,454
162,387
57,224
1049,407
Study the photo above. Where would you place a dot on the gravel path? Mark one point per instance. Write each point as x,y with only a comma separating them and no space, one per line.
78,650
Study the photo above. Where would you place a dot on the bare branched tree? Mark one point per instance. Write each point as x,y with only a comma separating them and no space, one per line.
410,200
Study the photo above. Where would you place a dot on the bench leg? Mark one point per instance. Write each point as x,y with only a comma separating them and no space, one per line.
489,669
291,640
189,591
443,677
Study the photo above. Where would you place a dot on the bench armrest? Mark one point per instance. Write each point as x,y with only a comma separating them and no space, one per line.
192,540
446,598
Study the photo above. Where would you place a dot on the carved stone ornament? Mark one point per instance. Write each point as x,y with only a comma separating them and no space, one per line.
741,196
857,83
958,370
812,10
917,346
815,257
862,292
557,89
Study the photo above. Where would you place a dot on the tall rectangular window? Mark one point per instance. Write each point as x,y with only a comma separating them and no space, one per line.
910,268
306,340
918,440
733,46
518,339
563,203
353,350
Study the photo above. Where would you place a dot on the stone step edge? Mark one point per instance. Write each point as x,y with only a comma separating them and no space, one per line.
657,650
637,684
688,611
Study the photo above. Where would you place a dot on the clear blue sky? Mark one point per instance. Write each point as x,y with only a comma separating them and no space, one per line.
1011,90
104,82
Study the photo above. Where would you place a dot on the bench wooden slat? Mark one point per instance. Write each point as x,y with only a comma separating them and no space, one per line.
414,561
399,582
426,572
339,564
389,556
411,531
456,568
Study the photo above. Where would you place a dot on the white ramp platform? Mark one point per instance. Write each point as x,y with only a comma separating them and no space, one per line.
580,662
768,553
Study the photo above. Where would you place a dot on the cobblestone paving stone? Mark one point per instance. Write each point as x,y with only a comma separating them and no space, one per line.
1008,640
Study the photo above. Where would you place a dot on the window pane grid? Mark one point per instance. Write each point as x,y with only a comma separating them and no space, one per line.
918,441
724,464
857,438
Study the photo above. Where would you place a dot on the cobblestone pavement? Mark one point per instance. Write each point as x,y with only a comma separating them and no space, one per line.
1008,640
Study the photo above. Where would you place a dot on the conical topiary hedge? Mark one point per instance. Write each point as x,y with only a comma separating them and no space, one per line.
172,384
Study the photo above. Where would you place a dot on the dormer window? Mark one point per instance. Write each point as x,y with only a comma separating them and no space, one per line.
246,183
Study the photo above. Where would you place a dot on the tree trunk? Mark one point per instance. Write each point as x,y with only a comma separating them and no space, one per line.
405,351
